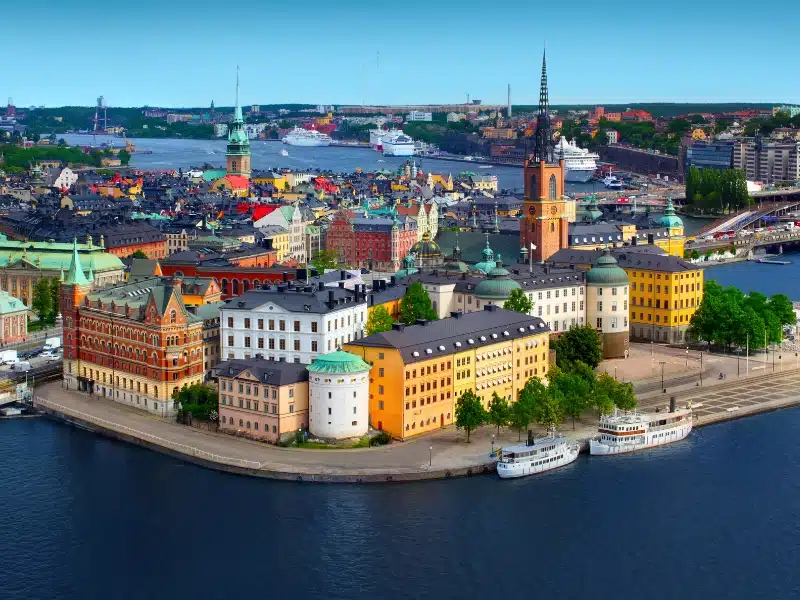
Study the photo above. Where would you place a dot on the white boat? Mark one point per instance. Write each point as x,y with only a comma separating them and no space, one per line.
284,152
612,183
620,433
536,456
579,164
306,137
376,139
397,143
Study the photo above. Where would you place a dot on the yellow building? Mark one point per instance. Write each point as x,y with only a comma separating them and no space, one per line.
419,371
280,240
276,179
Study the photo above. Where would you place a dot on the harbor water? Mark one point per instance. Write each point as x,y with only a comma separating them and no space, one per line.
714,516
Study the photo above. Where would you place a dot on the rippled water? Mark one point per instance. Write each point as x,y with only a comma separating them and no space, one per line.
716,516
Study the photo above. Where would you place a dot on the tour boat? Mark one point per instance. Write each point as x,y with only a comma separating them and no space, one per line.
284,152
620,433
536,456
306,137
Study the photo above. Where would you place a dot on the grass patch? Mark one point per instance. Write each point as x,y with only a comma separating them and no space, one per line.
363,442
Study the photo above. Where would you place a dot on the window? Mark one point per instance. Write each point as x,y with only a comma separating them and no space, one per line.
380,372
599,323
297,345
313,327
272,324
260,342
271,344
297,325
291,392
314,346
230,340
247,323
230,321
282,344
247,341
173,316
380,389
282,325
261,323
599,306
552,191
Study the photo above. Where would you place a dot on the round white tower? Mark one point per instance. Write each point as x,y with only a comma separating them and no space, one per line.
338,396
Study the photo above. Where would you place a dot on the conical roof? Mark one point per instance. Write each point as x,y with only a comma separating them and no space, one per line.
75,274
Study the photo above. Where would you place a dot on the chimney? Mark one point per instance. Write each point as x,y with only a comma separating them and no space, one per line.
343,274
531,439
634,240
285,276
331,298
394,280
341,285
398,326
321,286
282,288
672,404
490,307
547,270
650,239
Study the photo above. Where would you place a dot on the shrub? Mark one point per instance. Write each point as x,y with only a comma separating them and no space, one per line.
381,439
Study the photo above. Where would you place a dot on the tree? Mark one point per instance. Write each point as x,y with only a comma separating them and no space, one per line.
379,320
499,411
571,391
51,138
124,157
416,304
522,410
518,301
55,294
201,401
470,413
138,254
325,260
42,302
549,412
578,344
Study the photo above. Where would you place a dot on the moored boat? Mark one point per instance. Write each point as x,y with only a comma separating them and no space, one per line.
621,433
536,456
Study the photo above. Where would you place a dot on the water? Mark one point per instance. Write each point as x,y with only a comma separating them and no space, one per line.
715,516
755,277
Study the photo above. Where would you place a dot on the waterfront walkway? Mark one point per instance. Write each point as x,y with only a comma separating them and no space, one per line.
438,455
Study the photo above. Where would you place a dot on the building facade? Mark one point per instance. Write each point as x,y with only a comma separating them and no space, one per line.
292,323
13,319
767,161
372,243
418,371
338,396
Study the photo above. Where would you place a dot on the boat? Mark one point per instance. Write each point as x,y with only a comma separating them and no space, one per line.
626,432
768,261
612,183
376,139
306,137
397,143
536,456
284,152
579,164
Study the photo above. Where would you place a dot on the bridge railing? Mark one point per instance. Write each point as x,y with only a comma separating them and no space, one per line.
143,435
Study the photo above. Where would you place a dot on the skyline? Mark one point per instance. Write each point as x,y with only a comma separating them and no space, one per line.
426,55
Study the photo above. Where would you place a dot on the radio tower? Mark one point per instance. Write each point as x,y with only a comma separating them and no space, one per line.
100,114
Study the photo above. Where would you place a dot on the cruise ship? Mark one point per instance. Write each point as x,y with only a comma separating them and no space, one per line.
579,164
620,433
536,456
306,137
397,143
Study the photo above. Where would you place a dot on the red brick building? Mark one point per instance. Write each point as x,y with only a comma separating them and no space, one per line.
374,243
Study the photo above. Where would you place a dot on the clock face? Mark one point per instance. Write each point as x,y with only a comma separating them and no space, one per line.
532,210
553,210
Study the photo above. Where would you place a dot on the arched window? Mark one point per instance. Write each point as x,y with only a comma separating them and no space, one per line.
173,316
233,165
224,285
235,287
246,285
552,192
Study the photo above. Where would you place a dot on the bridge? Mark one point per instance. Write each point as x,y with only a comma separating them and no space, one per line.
758,216
745,245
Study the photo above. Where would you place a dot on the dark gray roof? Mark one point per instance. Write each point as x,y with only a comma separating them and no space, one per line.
628,257
268,372
308,299
448,336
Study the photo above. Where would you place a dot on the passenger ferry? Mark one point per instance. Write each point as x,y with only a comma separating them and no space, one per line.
536,456
620,433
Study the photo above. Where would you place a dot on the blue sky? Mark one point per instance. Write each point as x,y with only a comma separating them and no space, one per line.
182,53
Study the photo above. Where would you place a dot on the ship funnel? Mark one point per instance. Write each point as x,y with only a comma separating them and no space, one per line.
672,404
530,437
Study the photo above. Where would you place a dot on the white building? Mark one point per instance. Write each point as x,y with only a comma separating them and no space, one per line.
418,115
338,396
291,219
220,129
254,129
295,323
454,117
65,179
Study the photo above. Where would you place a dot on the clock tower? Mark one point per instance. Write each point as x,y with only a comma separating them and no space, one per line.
545,222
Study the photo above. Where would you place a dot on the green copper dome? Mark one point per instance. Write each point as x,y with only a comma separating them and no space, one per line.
338,362
606,271
497,285
409,266
488,262
670,220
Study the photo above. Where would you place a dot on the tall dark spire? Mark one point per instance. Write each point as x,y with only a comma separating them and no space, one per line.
543,145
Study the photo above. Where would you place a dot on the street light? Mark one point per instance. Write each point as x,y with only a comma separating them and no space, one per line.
701,368
738,352
662,363
492,443
615,372
430,455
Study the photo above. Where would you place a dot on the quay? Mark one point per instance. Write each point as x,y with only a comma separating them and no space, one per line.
440,455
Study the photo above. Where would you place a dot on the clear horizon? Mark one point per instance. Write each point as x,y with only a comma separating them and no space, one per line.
185,55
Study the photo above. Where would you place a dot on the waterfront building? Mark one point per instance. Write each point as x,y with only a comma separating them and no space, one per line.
295,323
544,228
710,155
262,399
22,264
238,151
607,288
767,161
418,371
338,396
135,343
419,115
13,319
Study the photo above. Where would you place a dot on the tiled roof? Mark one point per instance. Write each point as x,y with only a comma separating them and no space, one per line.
268,372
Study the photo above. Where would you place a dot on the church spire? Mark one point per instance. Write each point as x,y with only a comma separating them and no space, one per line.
237,112
75,274
543,146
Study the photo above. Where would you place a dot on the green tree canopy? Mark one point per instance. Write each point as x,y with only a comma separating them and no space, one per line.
571,391
42,301
518,301
201,401
578,344
416,304
138,254
324,260
379,320
499,412
470,413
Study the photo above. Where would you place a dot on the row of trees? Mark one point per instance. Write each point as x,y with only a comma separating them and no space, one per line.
568,394
199,401
729,318
45,299
717,191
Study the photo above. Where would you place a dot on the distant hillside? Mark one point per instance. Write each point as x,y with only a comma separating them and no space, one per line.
657,109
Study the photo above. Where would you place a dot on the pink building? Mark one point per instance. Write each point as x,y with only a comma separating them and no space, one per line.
262,399
13,319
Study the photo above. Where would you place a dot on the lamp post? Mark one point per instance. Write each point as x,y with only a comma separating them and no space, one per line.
738,352
662,363
492,443
701,368
430,456
615,372
687,358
